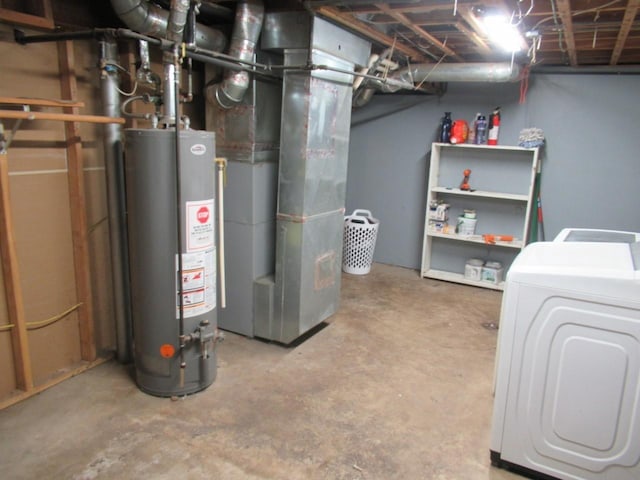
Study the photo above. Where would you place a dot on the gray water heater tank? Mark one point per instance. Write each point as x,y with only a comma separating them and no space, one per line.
170,360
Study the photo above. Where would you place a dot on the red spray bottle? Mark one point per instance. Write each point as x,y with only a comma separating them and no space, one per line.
494,127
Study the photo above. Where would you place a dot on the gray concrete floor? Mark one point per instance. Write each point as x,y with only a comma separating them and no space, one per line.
398,386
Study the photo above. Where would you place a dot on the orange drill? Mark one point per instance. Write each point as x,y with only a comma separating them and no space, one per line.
465,181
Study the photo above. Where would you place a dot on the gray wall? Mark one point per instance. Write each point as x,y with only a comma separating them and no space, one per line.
590,166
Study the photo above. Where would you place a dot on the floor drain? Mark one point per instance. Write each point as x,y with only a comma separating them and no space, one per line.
490,326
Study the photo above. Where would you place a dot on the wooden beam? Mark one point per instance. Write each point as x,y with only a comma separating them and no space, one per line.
77,203
26,20
421,32
371,33
480,43
66,117
564,9
625,28
13,399
12,287
39,102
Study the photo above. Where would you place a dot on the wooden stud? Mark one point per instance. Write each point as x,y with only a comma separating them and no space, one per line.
77,203
13,289
25,19
54,381
39,102
70,118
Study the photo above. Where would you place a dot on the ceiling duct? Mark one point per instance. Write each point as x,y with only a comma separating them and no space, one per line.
450,72
246,30
144,17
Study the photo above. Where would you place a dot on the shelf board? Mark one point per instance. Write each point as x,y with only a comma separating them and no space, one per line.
485,147
481,193
459,278
475,239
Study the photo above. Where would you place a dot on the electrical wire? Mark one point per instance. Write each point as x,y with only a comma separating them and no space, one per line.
43,323
131,93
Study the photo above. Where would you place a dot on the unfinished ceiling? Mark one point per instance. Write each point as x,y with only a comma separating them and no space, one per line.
576,33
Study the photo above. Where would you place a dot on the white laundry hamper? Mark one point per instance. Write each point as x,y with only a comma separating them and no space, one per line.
360,232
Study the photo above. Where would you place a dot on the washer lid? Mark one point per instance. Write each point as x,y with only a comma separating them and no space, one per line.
607,269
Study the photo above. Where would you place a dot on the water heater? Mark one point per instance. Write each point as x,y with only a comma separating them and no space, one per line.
171,213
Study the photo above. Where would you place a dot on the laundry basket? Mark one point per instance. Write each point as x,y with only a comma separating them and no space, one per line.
360,232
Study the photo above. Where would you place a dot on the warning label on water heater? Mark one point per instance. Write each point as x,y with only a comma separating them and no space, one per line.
200,228
198,283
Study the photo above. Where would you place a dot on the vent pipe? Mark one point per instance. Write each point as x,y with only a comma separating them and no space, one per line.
144,17
246,30
451,72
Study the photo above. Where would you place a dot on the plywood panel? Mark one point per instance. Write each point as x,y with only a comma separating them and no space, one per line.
45,256
54,348
100,260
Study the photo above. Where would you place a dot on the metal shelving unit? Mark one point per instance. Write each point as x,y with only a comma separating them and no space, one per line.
502,187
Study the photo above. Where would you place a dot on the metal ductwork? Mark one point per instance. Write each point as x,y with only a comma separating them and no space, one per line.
246,30
451,72
143,17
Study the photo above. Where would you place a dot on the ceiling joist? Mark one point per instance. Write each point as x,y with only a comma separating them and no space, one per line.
422,33
564,9
627,22
349,21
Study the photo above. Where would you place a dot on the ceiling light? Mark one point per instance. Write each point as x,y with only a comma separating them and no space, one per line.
502,33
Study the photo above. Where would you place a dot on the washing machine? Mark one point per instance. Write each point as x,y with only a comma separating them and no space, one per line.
567,378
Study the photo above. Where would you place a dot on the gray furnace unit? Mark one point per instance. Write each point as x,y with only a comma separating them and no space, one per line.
173,341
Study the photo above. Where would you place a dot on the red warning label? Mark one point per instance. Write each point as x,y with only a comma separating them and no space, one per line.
199,222
203,214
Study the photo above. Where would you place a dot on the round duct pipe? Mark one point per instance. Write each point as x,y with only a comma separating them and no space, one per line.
144,17
246,30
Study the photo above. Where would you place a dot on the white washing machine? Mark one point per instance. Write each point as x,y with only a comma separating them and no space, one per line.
567,381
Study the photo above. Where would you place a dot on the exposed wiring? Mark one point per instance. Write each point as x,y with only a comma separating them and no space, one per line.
430,72
45,322
131,93
574,14
97,224
524,84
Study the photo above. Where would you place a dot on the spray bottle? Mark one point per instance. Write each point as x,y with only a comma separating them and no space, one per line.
494,127
481,130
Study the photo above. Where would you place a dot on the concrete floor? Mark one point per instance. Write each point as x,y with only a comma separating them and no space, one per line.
398,386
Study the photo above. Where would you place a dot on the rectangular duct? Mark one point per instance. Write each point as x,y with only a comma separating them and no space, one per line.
288,143
314,143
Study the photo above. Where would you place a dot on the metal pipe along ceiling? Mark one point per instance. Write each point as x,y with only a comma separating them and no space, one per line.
144,17
246,30
453,72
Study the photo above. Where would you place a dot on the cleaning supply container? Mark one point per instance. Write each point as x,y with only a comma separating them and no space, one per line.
360,233
466,226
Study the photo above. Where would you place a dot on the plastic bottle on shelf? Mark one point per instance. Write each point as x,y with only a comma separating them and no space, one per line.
445,128
471,138
481,130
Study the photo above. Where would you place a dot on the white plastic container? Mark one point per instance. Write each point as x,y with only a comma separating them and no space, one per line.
473,269
466,226
492,272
